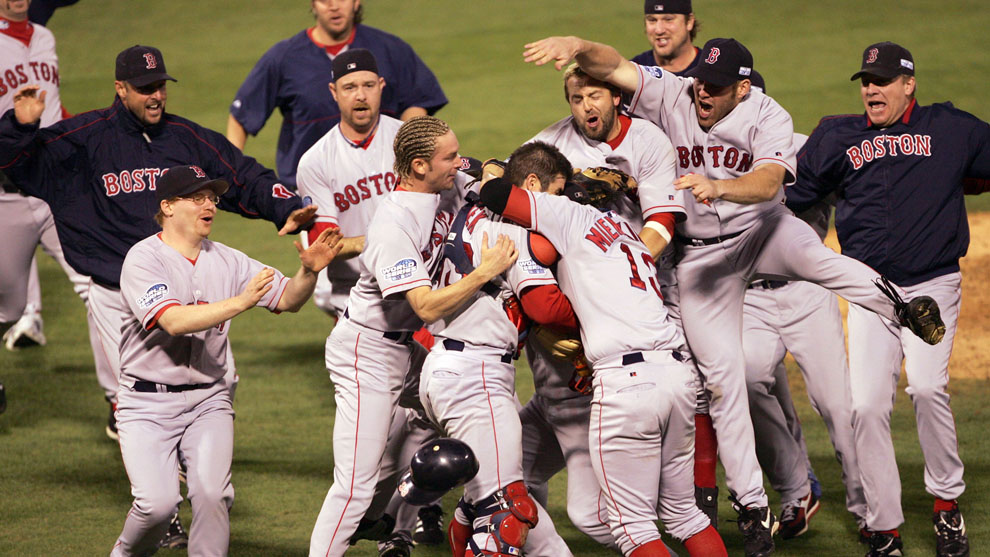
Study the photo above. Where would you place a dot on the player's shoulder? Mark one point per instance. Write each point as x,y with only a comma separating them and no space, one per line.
147,248
644,58
389,126
42,33
838,123
948,110
181,125
367,34
559,129
285,48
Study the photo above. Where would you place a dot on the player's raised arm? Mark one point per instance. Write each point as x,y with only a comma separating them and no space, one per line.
236,133
600,61
313,259
431,305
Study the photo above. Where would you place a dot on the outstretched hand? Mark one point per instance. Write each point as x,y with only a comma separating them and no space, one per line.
702,188
28,104
256,289
297,219
496,259
321,252
559,50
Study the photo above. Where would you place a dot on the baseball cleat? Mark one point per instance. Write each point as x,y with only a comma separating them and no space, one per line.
885,545
795,515
758,525
395,546
111,429
816,486
175,537
921,314
706,498
429,526
28,331
950,534
375,530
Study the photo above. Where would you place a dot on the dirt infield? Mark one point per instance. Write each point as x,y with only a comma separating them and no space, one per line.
968,359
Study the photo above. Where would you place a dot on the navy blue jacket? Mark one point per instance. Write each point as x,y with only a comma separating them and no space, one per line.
97,172
900,203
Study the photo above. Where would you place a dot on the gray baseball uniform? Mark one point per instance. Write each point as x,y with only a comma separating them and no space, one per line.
726,245
173,397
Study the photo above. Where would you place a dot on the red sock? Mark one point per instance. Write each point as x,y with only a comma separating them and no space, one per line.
705,451
893,532
655,548
706,543
943,505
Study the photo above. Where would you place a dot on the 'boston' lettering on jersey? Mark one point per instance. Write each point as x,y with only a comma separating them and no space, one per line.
729,158
889,146
361,190
128,181
19,75
605,231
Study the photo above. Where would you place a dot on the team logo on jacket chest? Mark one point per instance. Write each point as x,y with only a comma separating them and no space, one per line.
364,188
130,181
889,146
19,76
731,158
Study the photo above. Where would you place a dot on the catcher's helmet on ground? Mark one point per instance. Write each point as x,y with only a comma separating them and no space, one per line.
436,468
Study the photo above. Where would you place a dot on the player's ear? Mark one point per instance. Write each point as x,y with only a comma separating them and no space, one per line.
381,82
333,91
419,166
532,183
742,89
689,23
121,89
909,85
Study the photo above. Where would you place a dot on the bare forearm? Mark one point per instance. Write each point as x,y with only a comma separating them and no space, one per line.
412,112
193,318
431,305
762,184
298,290
654,241
236,133
352,247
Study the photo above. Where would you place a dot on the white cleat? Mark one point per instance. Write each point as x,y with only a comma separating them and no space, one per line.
28,331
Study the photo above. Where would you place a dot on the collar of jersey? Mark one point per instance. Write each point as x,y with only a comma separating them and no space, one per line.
20,30
130,122
364,143
905,118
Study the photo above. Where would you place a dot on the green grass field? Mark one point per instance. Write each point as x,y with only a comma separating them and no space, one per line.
63,490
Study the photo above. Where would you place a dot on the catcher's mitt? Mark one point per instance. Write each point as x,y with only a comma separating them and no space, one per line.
603,184
921,314
560,346
492,168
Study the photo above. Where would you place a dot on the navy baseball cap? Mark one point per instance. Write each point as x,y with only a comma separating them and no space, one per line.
887,60
180,181
667,7
354,60
141,65
723,62
756,80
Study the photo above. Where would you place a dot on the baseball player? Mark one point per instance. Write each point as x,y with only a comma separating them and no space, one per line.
740,141
367,352
468,382
596,134
671,27
608,274
181,291
897,172
293,76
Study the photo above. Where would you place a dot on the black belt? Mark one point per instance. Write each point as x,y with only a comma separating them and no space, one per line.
706,241
458,346
768,284
401,337
637,357
149,387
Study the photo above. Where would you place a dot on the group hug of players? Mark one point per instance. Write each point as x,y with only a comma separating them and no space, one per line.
439,268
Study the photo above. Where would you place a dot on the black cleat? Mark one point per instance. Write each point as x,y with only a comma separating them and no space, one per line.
950,534
429,526
375,530
176,537
758,525
795,516
885,545
395,546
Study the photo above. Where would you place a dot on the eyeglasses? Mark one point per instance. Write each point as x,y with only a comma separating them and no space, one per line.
200,197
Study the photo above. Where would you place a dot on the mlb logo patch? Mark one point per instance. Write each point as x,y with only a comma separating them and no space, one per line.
352,65
658,7
401,270
153,295
654,71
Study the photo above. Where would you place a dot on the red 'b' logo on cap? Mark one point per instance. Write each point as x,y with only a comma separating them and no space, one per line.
150,59
712,56
199,171
871,57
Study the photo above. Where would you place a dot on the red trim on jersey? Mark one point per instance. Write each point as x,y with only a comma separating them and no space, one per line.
331,49
906,117
547,305
624,123
274,307
665,220
491,411
66,113
158,314
318,228
542,250
357,429
517,207
193,261
642,81
20,30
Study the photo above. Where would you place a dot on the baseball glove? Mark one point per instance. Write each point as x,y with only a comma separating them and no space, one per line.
604,184
921,314
492,168
560,346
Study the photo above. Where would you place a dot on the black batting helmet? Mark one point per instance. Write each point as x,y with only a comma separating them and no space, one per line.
436,468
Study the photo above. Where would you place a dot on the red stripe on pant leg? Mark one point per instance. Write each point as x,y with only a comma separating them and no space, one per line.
601,459
357,427
491,411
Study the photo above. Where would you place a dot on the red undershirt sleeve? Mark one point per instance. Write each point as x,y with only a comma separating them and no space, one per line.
666,220
547,305
319,227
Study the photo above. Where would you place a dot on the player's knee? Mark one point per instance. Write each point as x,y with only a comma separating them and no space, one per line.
927,393
157,508
866,413
208,496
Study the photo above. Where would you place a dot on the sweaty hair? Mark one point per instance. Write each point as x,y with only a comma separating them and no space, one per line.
694,30
416,139
539,158
577,73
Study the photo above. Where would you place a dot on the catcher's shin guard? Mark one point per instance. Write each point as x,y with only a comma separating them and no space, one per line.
461,528
503,522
